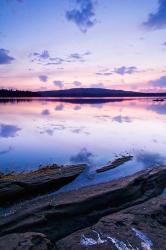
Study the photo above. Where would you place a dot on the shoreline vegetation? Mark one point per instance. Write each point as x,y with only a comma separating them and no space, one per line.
78,93
128,213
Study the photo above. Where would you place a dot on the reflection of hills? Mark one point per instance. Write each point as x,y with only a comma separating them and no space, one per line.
65,100
90,100
15,100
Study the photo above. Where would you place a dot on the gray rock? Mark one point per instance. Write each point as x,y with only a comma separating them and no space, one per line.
140,227
69,212
25,241
23,186
116,163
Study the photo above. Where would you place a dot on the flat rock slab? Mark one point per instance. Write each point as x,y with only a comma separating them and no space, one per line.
142,227
66,213
23,186
26,241
116,163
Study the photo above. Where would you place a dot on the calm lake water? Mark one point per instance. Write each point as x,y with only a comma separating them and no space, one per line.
44,131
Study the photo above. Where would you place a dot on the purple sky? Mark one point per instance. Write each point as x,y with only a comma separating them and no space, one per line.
56,44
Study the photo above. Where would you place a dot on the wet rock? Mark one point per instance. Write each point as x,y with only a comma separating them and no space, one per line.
69,212
26,241
26,185
140,227
116,163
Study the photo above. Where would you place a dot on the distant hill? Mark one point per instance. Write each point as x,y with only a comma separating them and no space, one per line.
95,92
78,92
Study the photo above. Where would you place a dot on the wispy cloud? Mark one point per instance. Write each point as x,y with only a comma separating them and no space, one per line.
4,57
121,119
97,85
45,59
125,70
120,71
157,20
103,73
83,15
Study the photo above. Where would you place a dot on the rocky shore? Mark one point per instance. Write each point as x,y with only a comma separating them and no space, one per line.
125,214
15,187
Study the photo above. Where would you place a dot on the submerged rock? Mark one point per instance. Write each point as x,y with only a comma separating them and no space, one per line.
140,227
68,212
15,187
26,241
116,163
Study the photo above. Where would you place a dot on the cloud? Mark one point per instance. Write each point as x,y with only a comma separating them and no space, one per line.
45,59
161,82
125,70
149,159
163,44
158,108
49,132
103,73
84,156
83,15
45,112
77,107
43,55
7,131
97,85
121,71
43,78
77,83
157,20
121,119
58,84
4,57
77,57
6,151
59,107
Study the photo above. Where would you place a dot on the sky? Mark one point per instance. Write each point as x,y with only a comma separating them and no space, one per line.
59,44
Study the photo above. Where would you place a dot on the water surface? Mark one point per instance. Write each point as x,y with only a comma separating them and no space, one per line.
36,132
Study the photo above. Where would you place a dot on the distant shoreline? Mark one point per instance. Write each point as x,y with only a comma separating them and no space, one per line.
77,93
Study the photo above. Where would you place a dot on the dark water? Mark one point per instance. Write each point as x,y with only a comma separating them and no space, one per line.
37,132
